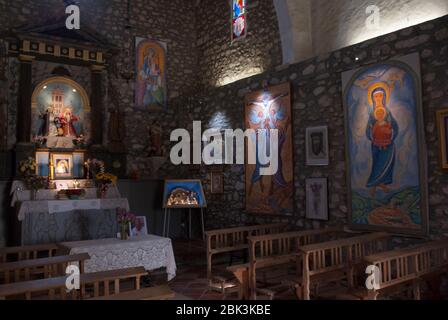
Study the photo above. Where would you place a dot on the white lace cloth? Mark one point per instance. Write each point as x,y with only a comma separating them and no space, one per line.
152,252
45,206
19,192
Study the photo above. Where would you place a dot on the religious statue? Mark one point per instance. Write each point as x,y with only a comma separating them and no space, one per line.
44,128
382,130
3,127
155,138
115,131
68,119
114,126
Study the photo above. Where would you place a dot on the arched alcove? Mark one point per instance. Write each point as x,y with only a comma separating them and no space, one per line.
60,112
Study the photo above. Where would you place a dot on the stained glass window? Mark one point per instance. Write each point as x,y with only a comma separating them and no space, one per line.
239,19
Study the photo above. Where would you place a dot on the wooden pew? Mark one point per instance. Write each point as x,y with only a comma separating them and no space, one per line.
153,293
48,267
56,287
11,254
271,250
233,240
408,267
336,260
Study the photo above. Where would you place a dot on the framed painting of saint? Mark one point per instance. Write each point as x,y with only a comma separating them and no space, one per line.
442,122
267,112
151,88
317,199
386,154
317,153
63,165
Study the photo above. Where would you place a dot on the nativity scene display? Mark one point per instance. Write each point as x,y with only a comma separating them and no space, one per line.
184,194
59,117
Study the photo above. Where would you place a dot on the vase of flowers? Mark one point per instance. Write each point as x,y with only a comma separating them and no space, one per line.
33,182
95,166
103,182
124,219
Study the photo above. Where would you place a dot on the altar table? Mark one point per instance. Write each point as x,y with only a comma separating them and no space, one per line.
48,220
152,252
69,220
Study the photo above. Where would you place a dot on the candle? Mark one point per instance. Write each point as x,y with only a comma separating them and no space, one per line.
51,170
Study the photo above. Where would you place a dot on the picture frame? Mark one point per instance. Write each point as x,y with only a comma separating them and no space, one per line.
270,195
384,121
151,59
442,123
216,182
177,192
63,165
140,228
317,146
317,199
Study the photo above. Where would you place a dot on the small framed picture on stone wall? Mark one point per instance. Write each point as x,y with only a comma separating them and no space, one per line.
317,199
317,150
217,182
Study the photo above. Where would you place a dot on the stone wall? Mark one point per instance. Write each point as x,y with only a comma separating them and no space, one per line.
221,62
340,23
317,100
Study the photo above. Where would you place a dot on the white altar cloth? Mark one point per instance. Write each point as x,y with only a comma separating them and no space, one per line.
19,192
152,252
46,206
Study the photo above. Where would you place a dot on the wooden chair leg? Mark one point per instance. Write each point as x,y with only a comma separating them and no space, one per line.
63,293
96,289
106,288
117,286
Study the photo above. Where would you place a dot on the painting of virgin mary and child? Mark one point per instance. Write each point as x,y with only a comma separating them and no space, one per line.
151,91
385,169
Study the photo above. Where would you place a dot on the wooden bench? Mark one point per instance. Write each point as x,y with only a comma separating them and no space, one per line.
336,260
408,267
56,287
281,249
154,293
233,240
11,254
271,250
48,267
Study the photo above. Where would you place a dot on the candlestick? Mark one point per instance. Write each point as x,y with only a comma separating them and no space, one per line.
51,170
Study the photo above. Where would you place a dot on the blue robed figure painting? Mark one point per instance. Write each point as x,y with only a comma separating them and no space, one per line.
384,148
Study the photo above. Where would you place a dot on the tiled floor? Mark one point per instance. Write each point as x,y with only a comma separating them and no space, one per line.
191,280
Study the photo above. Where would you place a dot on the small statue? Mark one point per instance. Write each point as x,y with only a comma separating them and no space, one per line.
115,131
114,126
155,139
3,127
45,124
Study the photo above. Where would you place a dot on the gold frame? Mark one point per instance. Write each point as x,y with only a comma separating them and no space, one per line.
443,129
63,155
